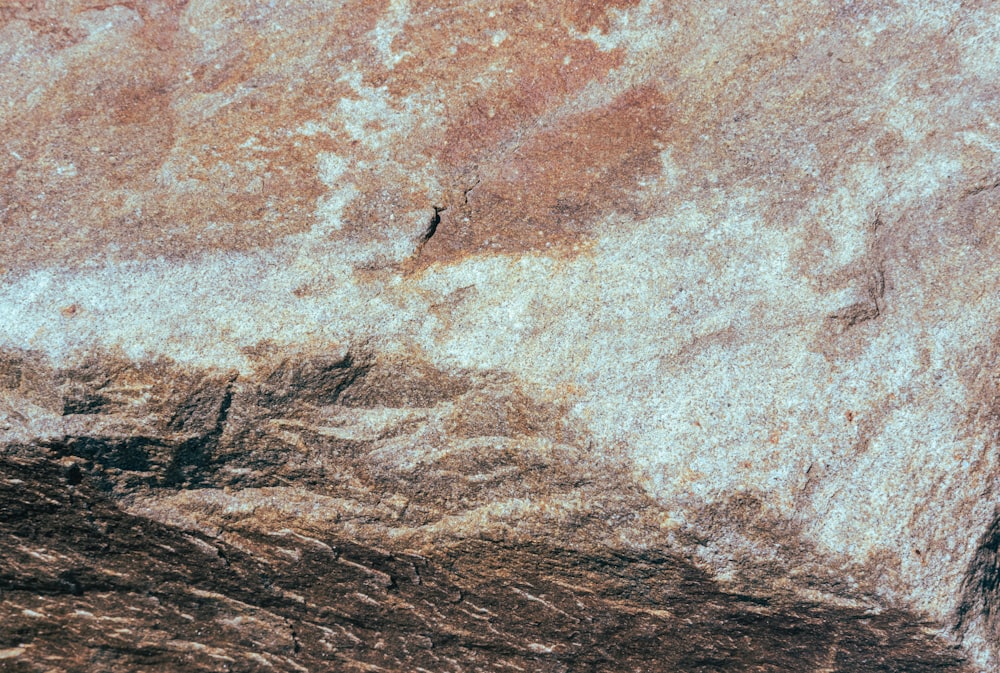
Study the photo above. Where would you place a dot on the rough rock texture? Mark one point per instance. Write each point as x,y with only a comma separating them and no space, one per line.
88,587
458,336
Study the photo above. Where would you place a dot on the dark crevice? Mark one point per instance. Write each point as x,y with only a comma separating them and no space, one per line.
972,191
296,645
130,453
874,306
195,454
355,373
433,224
227,401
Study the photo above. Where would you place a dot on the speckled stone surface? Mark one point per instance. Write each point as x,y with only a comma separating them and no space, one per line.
514,288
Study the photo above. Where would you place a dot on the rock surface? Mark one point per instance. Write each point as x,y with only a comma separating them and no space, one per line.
465,336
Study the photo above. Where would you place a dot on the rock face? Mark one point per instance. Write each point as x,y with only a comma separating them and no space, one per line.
578,336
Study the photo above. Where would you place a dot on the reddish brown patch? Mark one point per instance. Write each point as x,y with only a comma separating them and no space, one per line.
139,105
491,88
163,146
586,14
160,21
549,191
157,131
497,72
494,120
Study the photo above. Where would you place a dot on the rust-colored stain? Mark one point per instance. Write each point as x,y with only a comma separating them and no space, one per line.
585,15
159,147
184,134
497,74
548,192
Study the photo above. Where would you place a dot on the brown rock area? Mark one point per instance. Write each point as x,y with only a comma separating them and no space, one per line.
214,524
88,587
462,336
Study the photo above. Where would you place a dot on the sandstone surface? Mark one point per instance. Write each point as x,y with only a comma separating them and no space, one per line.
468,336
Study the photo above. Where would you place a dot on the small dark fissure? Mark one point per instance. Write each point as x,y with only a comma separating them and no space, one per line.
433,224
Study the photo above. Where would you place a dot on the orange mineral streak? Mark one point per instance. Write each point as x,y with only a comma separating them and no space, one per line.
547,193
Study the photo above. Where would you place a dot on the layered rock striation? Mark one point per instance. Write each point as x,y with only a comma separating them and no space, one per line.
461,336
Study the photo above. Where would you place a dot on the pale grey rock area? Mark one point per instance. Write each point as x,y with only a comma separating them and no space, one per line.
690,311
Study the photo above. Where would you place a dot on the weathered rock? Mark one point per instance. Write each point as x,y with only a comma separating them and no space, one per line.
454,336
88,587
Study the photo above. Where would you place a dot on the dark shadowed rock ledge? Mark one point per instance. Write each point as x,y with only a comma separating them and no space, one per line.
89,587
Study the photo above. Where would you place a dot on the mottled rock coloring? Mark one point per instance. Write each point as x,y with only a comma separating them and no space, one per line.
455,336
